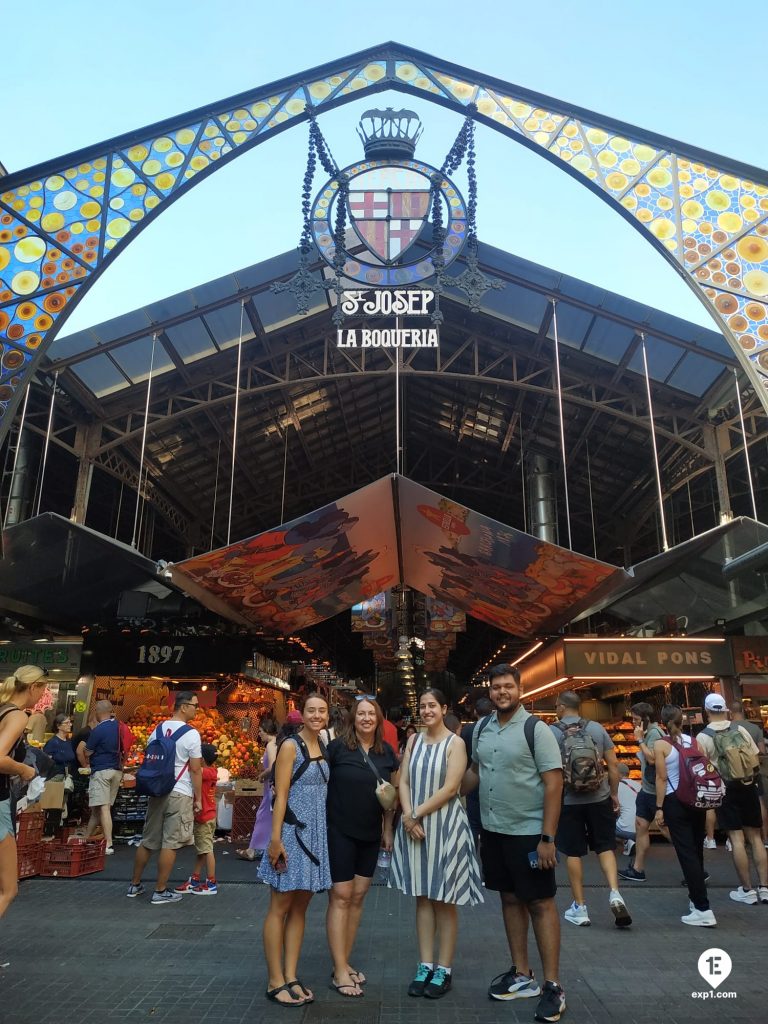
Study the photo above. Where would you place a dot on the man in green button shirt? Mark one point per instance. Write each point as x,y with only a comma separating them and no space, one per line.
516,762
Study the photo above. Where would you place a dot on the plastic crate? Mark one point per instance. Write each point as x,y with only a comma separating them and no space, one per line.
70,860
243,817
30,860
29,827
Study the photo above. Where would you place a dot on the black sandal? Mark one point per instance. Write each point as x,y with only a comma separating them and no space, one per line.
347,995
302,988
271,994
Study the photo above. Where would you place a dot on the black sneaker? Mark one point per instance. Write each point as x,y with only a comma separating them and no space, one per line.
514,985
420,982
551,1004
439,984
631,875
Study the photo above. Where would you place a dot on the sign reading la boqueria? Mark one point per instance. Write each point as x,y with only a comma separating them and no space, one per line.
388,302
674,657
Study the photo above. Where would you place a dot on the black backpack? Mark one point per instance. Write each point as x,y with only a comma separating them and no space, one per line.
290,817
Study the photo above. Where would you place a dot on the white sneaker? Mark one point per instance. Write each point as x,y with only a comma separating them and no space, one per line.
577,914
109,851
710,844
629,846
622,917
729,845
742,895
762,893
700,918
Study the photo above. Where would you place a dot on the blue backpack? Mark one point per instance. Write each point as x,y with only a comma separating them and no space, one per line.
157,774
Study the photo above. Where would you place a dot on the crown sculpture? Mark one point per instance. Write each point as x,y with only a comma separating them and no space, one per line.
389,134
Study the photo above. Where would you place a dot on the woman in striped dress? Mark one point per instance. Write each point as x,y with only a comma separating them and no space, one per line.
434,857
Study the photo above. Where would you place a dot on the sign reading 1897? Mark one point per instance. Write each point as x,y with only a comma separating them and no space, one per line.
386,302
160,654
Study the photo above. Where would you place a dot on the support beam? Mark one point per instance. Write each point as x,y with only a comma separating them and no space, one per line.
87,441
717,441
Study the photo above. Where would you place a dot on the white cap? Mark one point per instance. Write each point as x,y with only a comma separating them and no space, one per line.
715,702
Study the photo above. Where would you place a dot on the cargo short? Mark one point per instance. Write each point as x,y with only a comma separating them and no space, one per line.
203,833
103,787
169,823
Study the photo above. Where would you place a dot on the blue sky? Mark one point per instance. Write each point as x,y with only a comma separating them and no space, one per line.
81,74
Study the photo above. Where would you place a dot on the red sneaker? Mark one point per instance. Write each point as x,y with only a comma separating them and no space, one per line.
189,885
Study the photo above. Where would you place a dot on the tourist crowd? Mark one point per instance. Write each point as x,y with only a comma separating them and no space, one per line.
491,807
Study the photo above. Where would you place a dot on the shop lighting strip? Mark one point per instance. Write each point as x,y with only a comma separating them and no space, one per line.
671,676
645,640
609,679
528,653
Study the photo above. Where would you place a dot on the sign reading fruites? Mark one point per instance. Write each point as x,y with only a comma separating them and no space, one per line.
388,302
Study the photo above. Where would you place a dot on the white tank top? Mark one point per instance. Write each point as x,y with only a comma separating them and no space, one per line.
673,763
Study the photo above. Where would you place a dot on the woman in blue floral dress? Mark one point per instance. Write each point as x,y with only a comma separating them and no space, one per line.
296,861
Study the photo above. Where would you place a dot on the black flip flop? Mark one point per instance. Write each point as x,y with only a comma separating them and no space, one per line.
302,988
271,994
354,979
346,995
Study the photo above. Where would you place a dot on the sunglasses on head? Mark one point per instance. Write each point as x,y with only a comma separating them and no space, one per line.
365,696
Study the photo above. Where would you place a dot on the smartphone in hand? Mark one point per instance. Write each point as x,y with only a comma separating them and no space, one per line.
281,865
533,859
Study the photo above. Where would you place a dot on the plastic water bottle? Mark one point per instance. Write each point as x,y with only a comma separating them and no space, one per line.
383,864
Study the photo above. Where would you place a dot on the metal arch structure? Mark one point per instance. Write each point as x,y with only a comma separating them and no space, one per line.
63,222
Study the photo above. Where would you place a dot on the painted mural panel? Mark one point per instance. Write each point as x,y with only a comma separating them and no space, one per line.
500,575
304,571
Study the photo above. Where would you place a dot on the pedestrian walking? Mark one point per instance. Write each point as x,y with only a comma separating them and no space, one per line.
204,830
756,732
434,855
517,765
687,825
647,732
625,824
176,765
735,755
19,692
102,754
590,806
296,860
262,826
482,709
359,825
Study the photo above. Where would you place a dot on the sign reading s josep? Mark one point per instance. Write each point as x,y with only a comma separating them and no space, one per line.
387,302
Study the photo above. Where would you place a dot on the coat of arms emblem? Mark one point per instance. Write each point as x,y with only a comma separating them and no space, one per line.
389,199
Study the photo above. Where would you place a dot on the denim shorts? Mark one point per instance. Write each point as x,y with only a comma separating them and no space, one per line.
6,821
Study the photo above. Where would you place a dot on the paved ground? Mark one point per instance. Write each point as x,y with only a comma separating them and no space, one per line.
83,954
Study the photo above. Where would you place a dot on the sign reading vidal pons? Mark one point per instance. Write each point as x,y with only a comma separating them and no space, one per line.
384,302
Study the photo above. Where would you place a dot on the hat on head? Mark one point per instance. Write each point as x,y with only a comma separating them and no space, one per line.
715,702
294,718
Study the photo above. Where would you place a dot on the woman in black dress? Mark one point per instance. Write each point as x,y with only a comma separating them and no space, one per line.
358,827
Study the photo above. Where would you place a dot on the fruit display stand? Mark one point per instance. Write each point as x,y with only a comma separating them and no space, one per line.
622,732
239,754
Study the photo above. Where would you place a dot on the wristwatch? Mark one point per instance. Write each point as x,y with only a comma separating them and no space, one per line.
547,839
659,808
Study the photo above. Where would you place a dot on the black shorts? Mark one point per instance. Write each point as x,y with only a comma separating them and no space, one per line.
349,857
506,867
740,808
645,806
586,827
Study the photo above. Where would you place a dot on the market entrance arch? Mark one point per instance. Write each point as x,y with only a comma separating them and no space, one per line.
62,222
